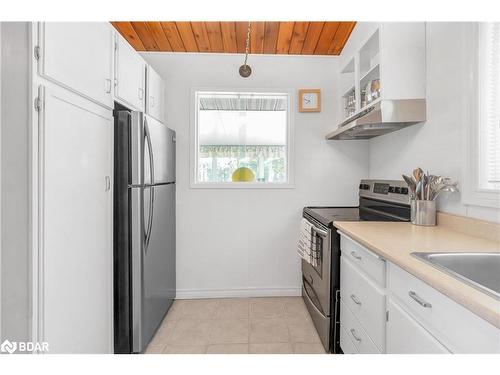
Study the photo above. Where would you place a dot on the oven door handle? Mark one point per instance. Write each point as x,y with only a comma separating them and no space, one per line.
321,232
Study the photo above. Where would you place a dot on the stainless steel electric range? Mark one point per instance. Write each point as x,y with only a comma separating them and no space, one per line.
379,200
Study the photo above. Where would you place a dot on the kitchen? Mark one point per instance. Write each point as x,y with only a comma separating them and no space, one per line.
311,141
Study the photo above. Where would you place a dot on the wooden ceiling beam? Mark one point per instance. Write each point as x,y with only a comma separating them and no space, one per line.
284,37
325,40
187,36
257,37
312,38
159,36
128,32
298,37
214,36
142,29
173,36
301,38
271,37
228,30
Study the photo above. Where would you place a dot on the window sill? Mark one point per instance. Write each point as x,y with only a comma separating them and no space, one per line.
241,185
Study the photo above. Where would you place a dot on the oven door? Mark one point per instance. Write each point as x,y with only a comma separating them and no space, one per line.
316,279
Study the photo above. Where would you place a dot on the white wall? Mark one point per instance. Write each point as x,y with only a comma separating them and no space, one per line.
240,242
438,144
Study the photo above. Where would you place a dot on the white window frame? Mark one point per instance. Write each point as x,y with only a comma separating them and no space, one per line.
193,141
472,193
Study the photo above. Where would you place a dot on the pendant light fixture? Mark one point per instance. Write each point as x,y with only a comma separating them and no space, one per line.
245,69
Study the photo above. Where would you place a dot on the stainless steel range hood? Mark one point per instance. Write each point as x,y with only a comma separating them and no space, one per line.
382,117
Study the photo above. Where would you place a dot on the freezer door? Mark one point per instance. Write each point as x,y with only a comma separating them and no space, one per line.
162,150
153,259
159,257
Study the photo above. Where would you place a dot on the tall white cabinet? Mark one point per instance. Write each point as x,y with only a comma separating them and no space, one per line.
58,98
77,207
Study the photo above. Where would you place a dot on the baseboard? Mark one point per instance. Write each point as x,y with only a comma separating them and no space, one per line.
237,293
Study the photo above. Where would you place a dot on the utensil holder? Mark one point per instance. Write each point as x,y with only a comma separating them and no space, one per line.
423,212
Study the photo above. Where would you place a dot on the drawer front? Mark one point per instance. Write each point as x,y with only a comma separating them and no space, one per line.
406,336
364,299
354,330
457,328
365,259
346,343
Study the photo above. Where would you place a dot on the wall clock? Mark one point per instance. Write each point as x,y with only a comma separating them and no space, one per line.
310,100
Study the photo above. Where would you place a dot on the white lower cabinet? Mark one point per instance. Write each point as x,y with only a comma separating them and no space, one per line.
405,335
365,299
386,309
76,253
356,332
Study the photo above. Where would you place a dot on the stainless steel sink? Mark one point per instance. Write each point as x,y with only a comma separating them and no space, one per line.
480,270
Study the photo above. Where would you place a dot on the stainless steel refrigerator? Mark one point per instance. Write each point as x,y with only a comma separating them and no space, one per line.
144,228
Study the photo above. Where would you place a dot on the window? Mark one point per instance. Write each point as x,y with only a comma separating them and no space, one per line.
489,110
482,185
241,139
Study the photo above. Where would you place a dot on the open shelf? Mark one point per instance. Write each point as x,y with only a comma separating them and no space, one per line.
369,53
348,92
373,73
349,67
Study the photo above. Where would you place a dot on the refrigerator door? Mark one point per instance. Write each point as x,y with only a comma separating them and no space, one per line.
162,150
153,260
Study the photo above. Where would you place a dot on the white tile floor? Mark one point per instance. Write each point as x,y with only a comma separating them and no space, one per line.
237,325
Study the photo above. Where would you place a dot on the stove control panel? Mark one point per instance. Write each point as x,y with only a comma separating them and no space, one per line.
390,190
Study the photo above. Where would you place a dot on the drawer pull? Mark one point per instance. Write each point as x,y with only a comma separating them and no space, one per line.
356,337
355,299
355,255
419,299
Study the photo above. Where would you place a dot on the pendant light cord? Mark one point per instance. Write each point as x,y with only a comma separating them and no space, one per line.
248,42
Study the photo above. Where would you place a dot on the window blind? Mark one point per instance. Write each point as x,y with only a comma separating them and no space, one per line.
489,149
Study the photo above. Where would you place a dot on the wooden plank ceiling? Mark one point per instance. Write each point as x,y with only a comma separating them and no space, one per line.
297,38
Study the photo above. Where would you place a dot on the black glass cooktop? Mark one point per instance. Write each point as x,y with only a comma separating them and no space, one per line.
327,215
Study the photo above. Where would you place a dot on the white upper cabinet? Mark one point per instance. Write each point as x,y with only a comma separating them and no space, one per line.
382,61
155,88
130,71
79,57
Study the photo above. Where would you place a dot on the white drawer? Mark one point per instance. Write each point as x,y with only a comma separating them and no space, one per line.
368,261
356,332
457,328
346,342
406,336
365,299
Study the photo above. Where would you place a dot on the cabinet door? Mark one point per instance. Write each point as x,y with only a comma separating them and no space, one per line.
78,56
406,336
77,217
155,97
130,72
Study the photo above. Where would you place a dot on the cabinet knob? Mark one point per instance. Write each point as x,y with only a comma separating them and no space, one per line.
140,93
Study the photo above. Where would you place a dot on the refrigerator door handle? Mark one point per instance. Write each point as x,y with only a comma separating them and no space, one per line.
147,136
150,219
